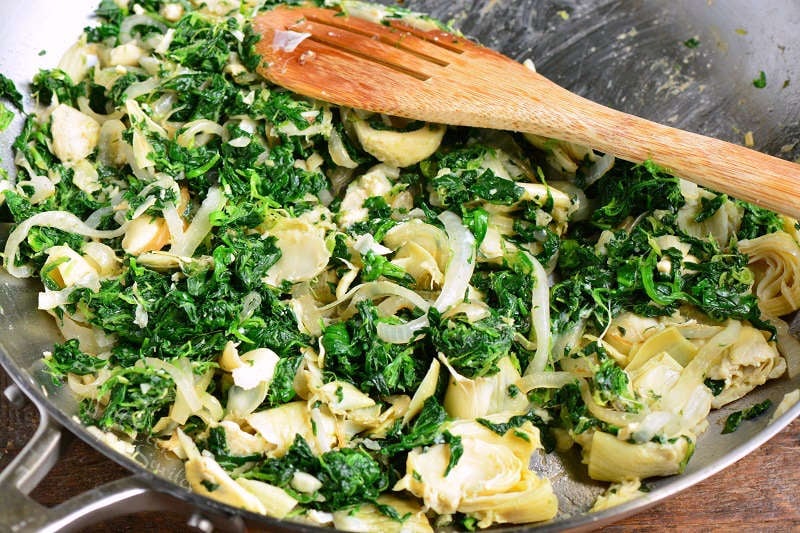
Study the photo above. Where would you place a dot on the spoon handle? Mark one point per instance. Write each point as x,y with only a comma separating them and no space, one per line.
743,173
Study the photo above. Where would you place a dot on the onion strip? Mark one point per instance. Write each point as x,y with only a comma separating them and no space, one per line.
545,380
374,289
456,280
196,127
695,372
611,416
201,224
540,317
187,401
130,22
63,220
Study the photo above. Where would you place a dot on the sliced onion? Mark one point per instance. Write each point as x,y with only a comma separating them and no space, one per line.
375,289
190,450
142,119
391,305
462,261
131,22
97,217
612,416
42,187
340,178
426,389
583,208
141,151
201,224
247,125
401,333
338,152
63,220
240,142
191,397
545,380
91,339
135,90
695,372
697,407
599,169
540,317
325,197
187,401
196,127
456,280
22,162
651,425
164,106
147,204
343,287
567,340
174,223
85,108
163,45
52,299
88,390
472,311
140,317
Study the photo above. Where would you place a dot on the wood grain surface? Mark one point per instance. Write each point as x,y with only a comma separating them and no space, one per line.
761,492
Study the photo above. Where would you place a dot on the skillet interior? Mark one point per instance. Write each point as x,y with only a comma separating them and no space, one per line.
627,54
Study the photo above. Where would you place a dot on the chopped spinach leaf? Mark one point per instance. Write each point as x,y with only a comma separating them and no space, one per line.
715,385
472,348
9,91
691,42
349,476
761,81
67,358
736,418
217,444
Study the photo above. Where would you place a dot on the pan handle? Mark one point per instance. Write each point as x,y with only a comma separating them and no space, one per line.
126,496
19,513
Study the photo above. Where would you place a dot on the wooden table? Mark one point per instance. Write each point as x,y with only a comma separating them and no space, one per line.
759,493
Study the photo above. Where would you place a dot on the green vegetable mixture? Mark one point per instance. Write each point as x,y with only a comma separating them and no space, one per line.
326,329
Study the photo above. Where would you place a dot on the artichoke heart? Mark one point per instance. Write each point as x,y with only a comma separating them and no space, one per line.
491,480
399,148
748,363
611,459
368,519
206,477
279,426
473,398
304,253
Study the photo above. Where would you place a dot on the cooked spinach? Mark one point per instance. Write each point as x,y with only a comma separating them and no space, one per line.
9,92
348,476
737,417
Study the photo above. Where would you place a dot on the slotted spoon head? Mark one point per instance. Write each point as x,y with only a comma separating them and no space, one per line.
392,68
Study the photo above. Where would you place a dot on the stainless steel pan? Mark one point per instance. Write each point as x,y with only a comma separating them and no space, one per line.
629,54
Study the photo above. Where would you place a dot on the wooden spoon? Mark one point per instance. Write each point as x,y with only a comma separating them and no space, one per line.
435,76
